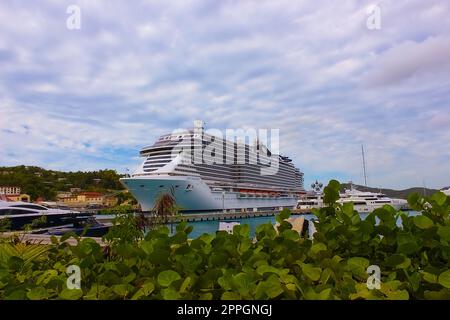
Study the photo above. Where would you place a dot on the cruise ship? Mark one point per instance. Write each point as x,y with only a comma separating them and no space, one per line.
205,172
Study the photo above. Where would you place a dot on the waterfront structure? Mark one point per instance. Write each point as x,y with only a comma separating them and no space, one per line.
10,190
84,199
13,193
205,172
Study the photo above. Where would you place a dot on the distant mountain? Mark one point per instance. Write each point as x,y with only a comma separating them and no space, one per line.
402,194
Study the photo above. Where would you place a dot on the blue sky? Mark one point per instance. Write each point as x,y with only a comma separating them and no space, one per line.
90,98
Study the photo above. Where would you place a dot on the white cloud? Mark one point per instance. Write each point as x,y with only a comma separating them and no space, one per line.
89,98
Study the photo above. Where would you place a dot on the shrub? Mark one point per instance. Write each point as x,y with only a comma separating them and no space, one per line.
413,257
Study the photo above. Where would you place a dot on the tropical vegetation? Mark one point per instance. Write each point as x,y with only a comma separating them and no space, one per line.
411,251
38,182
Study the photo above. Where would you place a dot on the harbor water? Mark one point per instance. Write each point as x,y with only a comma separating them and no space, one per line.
211,226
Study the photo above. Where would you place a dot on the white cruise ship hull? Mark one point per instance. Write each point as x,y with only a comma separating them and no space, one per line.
192,194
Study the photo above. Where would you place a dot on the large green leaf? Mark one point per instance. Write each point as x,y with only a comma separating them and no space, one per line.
71,294
311,272
270,288
444,279
439,197
38,293
423,222
444,233
165,278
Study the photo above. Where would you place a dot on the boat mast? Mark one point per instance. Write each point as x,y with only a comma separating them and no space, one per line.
364,165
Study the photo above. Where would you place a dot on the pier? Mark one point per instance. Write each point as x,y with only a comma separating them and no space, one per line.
223,216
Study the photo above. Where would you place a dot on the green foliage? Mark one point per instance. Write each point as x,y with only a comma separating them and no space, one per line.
38,182
277,264
36,223
125,229
118,210
5,225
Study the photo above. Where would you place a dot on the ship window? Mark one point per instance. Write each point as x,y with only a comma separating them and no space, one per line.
13,211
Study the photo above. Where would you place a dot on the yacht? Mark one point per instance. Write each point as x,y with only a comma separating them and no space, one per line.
205,172
363,202
369,201
22,213
310,201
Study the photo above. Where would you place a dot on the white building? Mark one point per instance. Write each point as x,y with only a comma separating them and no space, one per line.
7,190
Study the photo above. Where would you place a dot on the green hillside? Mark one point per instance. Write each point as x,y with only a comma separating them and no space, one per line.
402,194
38,182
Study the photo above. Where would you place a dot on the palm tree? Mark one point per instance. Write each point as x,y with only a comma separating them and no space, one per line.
165,207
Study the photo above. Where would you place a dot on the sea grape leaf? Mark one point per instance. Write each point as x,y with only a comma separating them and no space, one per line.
444,233
429,277
266,268
331,192
444,279
283,215
38,293
230,295
170,294
165,278
439,197
270,288
423,222
71,294
317,247
311,272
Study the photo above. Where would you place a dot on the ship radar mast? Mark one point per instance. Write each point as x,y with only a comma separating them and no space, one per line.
317,186
199,125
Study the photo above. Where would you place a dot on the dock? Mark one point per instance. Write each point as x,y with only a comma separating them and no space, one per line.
224,216
45,239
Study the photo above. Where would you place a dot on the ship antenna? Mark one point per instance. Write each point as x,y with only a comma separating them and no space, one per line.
364,165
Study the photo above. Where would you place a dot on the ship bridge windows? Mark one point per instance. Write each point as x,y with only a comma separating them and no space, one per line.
15,211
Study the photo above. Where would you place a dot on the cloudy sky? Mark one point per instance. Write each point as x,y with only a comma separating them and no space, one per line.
89,98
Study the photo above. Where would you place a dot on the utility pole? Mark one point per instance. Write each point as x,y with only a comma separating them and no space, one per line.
364,165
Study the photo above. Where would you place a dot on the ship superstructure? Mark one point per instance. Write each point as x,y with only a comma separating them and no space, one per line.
206,172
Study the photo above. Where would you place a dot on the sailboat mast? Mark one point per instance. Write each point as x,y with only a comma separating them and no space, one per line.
364,165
